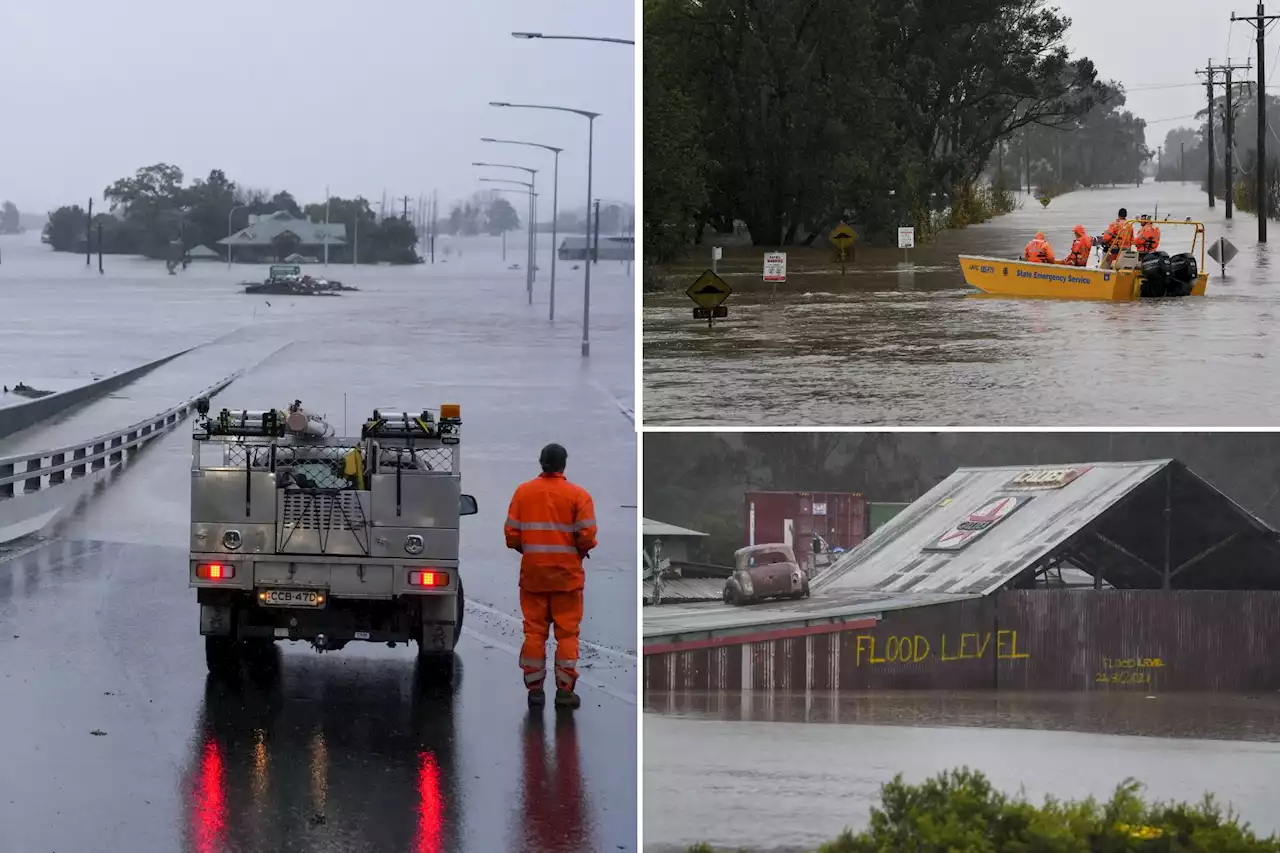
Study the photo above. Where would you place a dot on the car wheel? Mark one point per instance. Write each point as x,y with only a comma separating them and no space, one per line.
222,655
462,607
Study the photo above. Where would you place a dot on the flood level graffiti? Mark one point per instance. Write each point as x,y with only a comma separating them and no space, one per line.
916,648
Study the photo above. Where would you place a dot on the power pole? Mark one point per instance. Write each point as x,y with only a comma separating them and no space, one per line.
1260,21
1210,74
405,199
1228,128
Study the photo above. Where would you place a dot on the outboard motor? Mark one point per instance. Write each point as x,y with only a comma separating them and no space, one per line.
1184,269
1157,275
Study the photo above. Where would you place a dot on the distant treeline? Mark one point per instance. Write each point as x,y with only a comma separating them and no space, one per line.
879,112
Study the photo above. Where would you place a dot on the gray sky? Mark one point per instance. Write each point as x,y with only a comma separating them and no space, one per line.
1145,45
297,94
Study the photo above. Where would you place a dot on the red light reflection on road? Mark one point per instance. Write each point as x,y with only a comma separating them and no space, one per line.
209,811
430,834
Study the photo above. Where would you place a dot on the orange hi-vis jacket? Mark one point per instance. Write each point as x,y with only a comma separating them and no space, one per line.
1081,249
552,522
1118,236
1038,251
1148,239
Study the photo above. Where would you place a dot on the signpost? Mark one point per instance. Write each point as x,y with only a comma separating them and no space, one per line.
775,269
1222,250
716,254
709,292
906,242
844,238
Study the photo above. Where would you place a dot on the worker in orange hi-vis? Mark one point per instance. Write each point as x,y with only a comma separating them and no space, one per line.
552,524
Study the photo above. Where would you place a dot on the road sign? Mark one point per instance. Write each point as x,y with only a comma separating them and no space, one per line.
709,313
842,235
906,238
775,266
709,290
1222,251
716,253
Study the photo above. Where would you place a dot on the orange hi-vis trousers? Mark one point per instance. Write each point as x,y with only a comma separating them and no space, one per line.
541,611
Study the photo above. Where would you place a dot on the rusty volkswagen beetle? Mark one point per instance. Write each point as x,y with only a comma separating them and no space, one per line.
765,571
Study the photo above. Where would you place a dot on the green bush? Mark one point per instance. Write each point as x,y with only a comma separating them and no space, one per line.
960,812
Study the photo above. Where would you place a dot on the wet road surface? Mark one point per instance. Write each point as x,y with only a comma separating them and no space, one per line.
771,776
891,346
345,751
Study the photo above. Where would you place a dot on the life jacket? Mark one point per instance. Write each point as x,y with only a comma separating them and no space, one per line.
1081,249
1118,236
1038,251
1148,239
553,522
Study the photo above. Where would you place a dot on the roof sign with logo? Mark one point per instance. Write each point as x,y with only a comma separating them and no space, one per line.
1045,478
978,522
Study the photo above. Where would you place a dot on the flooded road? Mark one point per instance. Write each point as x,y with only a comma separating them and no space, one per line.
783,772
113,738
890,345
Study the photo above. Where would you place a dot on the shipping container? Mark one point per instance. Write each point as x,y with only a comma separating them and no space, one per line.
878,513
793,517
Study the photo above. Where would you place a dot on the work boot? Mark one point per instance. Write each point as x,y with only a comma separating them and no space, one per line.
537,698
567,699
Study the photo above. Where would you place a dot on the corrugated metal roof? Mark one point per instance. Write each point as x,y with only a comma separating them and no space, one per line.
660,528
898,558
720,618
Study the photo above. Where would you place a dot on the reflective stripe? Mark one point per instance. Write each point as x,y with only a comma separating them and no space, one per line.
564,681
584,524
511,522
567,664
534,677
550,549
546,525
540,663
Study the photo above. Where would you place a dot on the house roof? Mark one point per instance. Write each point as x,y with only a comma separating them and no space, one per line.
981,528
659,528
263,230
202,252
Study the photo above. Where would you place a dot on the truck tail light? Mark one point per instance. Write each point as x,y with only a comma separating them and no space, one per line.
428,577
215,571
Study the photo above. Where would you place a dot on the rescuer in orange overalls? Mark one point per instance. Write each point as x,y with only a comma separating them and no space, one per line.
1081,249
1038,250
552,524
1148,237
1117,238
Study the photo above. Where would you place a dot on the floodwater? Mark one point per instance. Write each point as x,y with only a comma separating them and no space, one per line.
786,772
896,345
113,738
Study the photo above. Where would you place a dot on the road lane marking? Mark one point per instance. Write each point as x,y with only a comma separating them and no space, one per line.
606,651
515,653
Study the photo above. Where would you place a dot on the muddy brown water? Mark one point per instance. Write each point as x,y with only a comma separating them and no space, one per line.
890,344
786,772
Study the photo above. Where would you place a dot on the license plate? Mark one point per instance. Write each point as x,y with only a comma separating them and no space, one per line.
291,597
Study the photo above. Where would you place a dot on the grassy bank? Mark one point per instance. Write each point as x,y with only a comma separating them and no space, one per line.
960,812
968,207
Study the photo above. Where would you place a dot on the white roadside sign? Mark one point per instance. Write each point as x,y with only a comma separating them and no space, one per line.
906,238
775,266
716,253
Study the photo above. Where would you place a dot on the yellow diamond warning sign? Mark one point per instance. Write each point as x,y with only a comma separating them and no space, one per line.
843,235
709,291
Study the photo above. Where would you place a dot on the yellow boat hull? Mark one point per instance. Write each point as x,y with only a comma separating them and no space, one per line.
1002,277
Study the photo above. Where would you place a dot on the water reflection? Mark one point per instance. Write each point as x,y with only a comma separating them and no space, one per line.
334,760
1210,716
553,798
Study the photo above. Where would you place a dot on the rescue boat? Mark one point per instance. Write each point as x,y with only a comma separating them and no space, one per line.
1157,275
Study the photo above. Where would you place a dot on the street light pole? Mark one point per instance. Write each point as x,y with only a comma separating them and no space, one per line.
532,224
230,213
586,279
555,206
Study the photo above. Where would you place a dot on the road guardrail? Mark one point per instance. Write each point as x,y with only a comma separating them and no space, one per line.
35,487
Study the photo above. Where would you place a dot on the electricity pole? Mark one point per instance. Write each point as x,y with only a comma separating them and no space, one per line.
1229,129
405,199
1260,21
1210,74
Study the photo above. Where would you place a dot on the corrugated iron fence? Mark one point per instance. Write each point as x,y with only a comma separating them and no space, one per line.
1136,640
